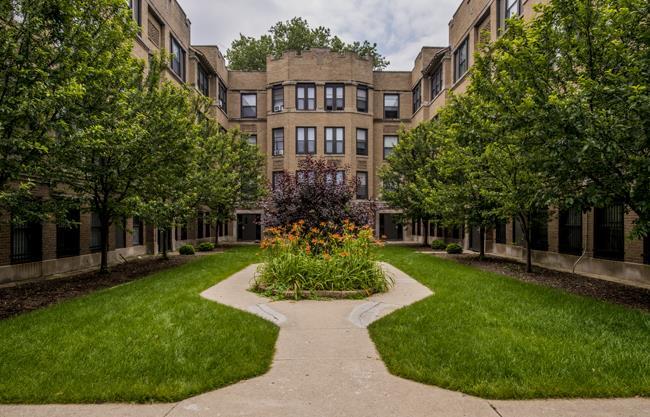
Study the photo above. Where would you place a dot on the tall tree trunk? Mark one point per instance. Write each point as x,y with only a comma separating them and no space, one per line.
481,235
105,221
216,234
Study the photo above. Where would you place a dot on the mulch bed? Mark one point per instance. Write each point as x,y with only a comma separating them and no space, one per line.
577,284
34,295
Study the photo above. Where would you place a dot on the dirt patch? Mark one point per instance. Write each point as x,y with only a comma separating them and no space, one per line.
34,295
577,284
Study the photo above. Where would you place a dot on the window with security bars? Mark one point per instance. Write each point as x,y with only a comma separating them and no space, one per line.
539,231
137,232
334,140
500,232
95,232
609,232
68,236
570,231
26,241
334,97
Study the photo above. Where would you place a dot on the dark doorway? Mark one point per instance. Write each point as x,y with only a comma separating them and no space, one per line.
390,228
248,227
475,239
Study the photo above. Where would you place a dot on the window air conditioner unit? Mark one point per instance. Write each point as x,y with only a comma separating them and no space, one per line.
278,107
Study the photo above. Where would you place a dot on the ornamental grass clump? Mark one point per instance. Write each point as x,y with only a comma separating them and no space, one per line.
327,258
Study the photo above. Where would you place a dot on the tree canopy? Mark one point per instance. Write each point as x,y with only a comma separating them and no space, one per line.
249,54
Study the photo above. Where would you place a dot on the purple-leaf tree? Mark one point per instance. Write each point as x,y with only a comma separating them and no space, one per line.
319,191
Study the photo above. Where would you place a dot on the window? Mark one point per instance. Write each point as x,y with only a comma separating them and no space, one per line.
305,97
305,140
609,233
362,185
223,228
518,237
278,98
248,105
539,231
391,106
436,82
512,8
223,96
500,229
334,140
417,97
120,234
26,242
95,232
461,60
181,232
200,225
362,142
570,233
178,58
334,97
202,81
138,232
278,141
362,99
136,7
389,143
337,178
276,179
252,140
303,176
68,236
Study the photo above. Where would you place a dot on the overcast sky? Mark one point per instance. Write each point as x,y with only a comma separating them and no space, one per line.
399,27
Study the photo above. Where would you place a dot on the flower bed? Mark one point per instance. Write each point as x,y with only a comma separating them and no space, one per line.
302,262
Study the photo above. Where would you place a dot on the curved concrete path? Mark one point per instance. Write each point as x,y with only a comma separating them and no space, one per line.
326,365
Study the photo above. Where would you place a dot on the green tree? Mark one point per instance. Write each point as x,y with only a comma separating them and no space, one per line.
249,54
408,177
51,52
595,100
131,134
230,173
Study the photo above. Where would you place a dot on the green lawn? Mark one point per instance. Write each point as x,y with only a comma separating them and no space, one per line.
495,337
154,339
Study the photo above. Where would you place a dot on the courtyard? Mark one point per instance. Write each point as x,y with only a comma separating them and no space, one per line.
447,339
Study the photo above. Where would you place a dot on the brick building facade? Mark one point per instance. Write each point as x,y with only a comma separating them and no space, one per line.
335,106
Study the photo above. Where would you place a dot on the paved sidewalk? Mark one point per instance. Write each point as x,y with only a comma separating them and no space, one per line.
326,365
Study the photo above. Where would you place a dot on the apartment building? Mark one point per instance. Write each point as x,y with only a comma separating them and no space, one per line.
335,106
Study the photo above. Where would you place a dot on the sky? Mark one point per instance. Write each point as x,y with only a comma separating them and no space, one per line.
399,27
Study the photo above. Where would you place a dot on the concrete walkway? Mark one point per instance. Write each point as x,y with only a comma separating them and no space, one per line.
326,365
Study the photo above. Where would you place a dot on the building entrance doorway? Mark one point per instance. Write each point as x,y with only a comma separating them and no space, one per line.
390,228
249,228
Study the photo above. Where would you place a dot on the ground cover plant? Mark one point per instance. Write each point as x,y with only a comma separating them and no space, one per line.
154,339
327,257
496,337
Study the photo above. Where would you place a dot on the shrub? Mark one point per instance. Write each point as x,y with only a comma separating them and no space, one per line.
438,245
206,247
186,250
323,258
454,248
